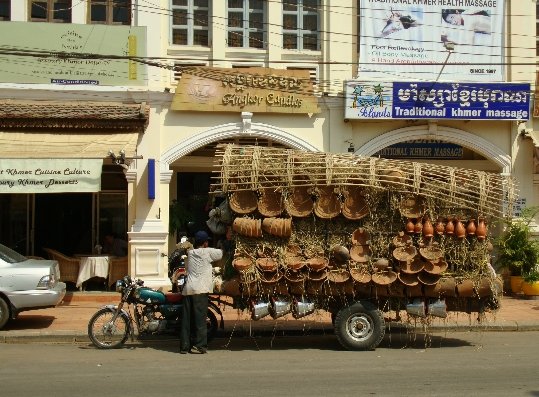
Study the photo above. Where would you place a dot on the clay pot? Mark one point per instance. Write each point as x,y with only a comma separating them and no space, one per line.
360,253
428,229
410,226
460,230
267,264
270,203
299,202
465,288
471,227
381,264
360,236
327,204
242,263
418,227
481,231
317,263
445,287
354,206
449,227
243,201
402,239
360,274
340,254
439,228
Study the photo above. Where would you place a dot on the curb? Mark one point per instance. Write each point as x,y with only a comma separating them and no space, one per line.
79,337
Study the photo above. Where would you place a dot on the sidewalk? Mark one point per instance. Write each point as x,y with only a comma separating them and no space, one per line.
68,321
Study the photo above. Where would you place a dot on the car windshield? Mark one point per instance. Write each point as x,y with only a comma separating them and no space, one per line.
10,256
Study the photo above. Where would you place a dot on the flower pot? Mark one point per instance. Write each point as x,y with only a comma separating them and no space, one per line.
530,289
516,284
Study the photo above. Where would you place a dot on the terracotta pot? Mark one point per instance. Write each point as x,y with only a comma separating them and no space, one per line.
410,226
428,229
481,231
418,227
465,288
381,264
449,227
440,227
460,230
471,227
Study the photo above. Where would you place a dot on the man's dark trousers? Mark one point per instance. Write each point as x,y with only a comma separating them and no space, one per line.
194,313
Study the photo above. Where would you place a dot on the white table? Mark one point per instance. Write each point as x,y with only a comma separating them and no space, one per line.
93,266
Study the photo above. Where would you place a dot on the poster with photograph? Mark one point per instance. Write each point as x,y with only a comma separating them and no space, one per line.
448,40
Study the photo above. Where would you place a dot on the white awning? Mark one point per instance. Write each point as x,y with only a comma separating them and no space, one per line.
66,145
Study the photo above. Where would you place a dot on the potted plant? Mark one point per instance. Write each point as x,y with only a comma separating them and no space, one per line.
518,251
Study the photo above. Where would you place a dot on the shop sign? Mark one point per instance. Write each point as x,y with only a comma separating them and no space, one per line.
245,90
422,149
427,100
420,39
72,54
50,175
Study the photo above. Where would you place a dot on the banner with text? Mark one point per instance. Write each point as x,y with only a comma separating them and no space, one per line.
72,54
412,39
50,175
423,100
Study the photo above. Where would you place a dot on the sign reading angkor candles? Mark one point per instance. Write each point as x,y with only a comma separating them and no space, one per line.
430,100
50,175
245,90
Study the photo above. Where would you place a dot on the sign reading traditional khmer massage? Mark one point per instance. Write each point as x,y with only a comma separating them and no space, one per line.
428,100
50,175
245,90
71,54
422,149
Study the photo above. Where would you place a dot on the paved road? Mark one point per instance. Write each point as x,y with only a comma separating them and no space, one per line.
455,364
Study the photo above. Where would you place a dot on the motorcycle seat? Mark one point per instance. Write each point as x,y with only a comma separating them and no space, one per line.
173,297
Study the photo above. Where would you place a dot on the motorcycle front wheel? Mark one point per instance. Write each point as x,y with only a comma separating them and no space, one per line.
106,334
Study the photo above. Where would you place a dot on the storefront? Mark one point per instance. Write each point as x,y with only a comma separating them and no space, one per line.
62,172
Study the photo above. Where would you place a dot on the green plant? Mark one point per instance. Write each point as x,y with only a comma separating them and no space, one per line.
180,215
517,250
531,277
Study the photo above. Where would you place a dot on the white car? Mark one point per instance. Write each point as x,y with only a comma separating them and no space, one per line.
27,284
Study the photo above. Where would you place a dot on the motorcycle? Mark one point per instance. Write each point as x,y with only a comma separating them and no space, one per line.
148,310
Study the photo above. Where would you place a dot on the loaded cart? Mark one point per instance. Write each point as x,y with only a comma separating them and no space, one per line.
358,236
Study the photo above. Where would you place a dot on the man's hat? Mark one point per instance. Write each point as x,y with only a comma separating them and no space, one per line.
201,236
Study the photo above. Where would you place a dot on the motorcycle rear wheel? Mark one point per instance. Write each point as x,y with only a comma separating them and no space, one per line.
107,335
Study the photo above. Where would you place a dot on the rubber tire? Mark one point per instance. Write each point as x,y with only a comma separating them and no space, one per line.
213,325
368,317
96,341
4,313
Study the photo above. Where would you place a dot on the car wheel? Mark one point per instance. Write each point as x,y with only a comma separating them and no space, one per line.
4,313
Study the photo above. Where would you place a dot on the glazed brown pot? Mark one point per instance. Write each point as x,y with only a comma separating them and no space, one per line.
428,229
460,230
471,227
440,227
449,227
481,231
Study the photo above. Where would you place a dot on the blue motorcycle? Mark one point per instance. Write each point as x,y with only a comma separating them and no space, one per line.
147,310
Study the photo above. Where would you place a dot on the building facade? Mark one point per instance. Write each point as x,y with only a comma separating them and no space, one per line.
108,76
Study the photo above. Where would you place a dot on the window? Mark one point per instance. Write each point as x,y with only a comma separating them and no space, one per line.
58,11
300,24
190,20
109,12
5,10
246,23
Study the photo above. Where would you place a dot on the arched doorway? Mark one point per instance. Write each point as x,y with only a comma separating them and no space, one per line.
434,132
188,166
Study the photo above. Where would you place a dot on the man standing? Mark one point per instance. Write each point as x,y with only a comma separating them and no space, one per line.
198,285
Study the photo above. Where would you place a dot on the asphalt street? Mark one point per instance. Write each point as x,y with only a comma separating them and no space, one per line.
405,364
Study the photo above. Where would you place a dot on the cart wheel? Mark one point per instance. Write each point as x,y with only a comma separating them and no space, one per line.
360,326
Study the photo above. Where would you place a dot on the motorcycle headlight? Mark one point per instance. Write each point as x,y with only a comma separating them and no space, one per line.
120,286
